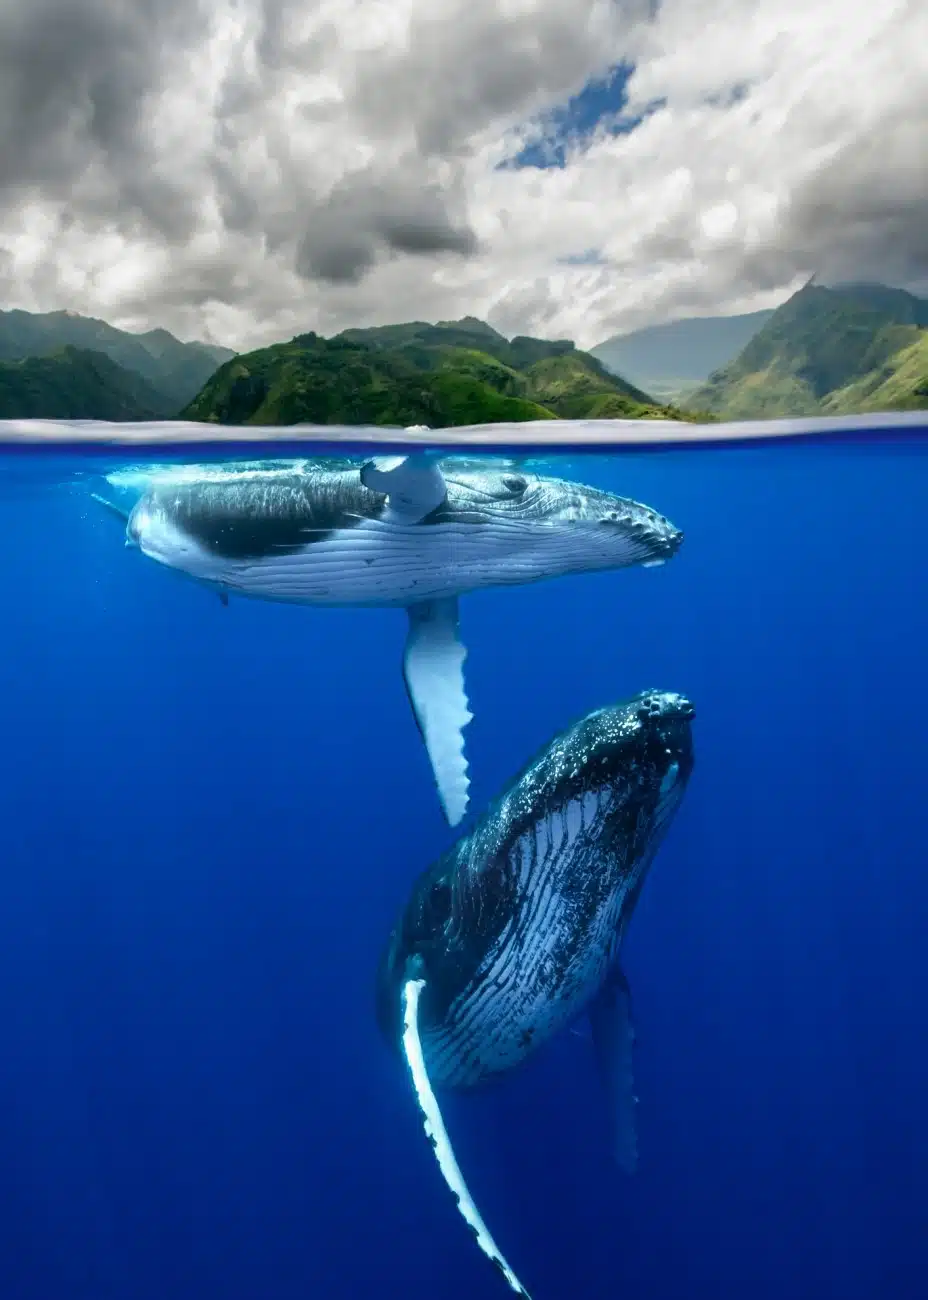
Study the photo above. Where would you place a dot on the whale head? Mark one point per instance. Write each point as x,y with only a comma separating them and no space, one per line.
151,529
569,527
513,929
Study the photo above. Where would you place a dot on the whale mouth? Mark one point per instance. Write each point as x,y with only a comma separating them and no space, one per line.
650,544
150,530
136,524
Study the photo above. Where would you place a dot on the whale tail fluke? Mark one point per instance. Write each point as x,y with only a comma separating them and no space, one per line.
437,1134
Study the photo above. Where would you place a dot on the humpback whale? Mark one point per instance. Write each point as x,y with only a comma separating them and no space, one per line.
409,531
516,931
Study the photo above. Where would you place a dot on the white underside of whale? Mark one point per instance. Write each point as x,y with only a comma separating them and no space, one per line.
383,562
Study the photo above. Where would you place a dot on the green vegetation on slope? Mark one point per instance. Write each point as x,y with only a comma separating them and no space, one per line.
176,370
453,373
901,384
854,348
75,384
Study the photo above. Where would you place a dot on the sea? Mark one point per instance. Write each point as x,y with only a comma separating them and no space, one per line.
211,816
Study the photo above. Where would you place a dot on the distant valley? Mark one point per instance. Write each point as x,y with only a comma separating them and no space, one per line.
673,360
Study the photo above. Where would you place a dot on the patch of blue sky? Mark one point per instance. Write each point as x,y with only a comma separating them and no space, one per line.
589,257
597,108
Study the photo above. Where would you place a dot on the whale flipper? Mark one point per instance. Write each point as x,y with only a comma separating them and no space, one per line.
613,1044
113,508
414,485
433,670
437,1134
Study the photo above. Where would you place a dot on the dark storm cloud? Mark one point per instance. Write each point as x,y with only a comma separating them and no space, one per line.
240,210
281,47
462,74
345,234
866,213
75,76
863,215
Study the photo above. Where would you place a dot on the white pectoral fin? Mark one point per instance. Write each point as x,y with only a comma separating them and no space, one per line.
437,1134
112,506
414,485
613,1045
433,668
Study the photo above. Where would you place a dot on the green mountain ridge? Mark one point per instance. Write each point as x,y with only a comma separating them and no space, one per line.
451,373
175,370
76,384
839,350
900,384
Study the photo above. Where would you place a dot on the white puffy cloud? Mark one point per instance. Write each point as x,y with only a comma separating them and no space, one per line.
245,170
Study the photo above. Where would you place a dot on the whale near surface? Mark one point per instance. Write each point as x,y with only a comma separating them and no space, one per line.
406,531
516,931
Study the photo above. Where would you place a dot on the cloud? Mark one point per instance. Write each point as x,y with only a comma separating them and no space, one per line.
361,215
247,169
76,81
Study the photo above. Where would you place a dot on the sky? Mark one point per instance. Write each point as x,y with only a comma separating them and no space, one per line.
245,170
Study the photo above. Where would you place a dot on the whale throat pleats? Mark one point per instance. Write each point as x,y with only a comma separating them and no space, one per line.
438,1137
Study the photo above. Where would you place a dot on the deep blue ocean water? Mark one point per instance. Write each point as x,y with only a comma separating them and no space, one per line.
210,817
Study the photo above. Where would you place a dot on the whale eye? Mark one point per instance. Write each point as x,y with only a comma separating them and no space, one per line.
515,484
436,906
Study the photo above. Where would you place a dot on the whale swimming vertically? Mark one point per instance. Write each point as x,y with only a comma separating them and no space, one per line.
516,931
407,531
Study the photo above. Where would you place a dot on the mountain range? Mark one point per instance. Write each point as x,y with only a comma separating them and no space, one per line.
672,360
74,377
74,384
451,373
837,350
828,351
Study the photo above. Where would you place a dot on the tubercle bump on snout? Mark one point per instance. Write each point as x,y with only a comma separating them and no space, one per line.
662,704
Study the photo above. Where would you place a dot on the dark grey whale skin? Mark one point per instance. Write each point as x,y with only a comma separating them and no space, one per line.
458,908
